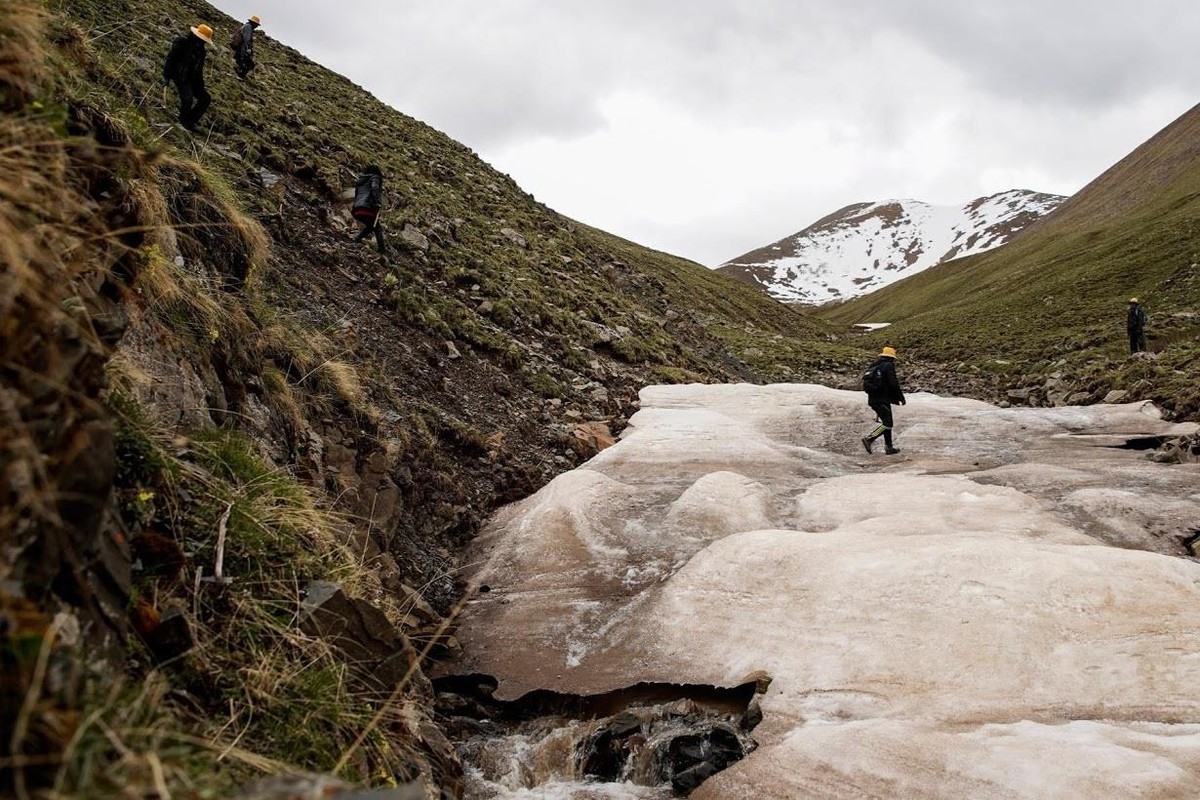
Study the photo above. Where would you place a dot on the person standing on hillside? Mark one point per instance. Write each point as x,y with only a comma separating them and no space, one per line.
368,199
242,45
185,67
882,386
1135,326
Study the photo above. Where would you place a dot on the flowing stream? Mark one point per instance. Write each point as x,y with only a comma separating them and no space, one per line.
648,740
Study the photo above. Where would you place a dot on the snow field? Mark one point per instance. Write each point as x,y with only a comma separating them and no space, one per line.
951,622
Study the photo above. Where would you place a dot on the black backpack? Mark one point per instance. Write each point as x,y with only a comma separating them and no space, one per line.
872,380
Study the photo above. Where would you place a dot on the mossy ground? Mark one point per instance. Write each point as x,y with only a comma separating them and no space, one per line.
294,118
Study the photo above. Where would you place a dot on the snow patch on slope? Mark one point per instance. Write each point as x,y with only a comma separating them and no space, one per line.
867,246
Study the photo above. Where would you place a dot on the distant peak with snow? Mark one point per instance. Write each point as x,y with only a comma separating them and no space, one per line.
866,246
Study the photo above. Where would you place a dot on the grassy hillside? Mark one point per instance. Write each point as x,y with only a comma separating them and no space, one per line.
315,129
1055,299
216,398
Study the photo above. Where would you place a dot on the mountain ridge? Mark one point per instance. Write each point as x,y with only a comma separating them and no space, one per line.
866,246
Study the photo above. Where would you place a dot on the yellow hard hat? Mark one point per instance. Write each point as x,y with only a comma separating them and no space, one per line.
1133,300
890,352
204,32
256,20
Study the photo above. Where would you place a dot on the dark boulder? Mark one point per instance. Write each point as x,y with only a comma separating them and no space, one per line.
694,757
606,752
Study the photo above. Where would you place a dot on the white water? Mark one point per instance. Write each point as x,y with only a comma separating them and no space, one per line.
951,622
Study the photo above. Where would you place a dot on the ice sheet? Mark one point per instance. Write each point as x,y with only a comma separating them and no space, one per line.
999,611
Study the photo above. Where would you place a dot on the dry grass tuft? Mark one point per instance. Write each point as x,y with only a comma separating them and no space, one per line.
22,56
209,222
41,253
343,380
187,300
53,478
312,358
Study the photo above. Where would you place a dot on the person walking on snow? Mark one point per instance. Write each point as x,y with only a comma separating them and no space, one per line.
368,199
1135,325
243,47
883,390
185,67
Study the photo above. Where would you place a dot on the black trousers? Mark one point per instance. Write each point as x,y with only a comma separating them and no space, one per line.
245,63
371,225
883,410
1137,341
194,100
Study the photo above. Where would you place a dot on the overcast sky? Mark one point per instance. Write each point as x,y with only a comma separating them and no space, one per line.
708,128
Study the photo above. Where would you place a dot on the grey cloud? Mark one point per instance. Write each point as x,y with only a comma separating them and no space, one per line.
931,95
1078,52
499,71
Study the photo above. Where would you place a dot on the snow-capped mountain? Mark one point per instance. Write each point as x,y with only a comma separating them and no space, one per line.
866,246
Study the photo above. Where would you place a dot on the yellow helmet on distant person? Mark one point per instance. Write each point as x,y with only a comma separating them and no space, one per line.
890,352
256,20
1133,300
204,32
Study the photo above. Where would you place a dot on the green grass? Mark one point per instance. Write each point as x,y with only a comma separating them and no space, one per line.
297,118
272,695
1060,290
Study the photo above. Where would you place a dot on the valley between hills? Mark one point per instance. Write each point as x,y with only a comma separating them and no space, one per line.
494,514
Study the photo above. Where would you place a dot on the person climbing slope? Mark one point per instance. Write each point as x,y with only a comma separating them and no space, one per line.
368,199
882,386
185,67
242,45
1135,326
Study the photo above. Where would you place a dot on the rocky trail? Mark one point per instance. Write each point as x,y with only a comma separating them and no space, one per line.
736,601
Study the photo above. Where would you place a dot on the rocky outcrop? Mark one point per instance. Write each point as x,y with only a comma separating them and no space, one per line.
678,746
379,652
647,735
590,438
384,663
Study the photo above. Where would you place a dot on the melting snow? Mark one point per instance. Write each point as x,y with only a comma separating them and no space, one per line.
951,622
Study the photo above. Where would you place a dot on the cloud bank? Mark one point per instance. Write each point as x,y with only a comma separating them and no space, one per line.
710,128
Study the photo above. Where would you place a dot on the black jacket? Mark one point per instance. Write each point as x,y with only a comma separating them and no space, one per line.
368,192
185,61
1135,320
890,391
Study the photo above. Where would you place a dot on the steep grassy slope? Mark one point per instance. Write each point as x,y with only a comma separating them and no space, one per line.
1055,299
217,398
315,129
496,320
540,308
